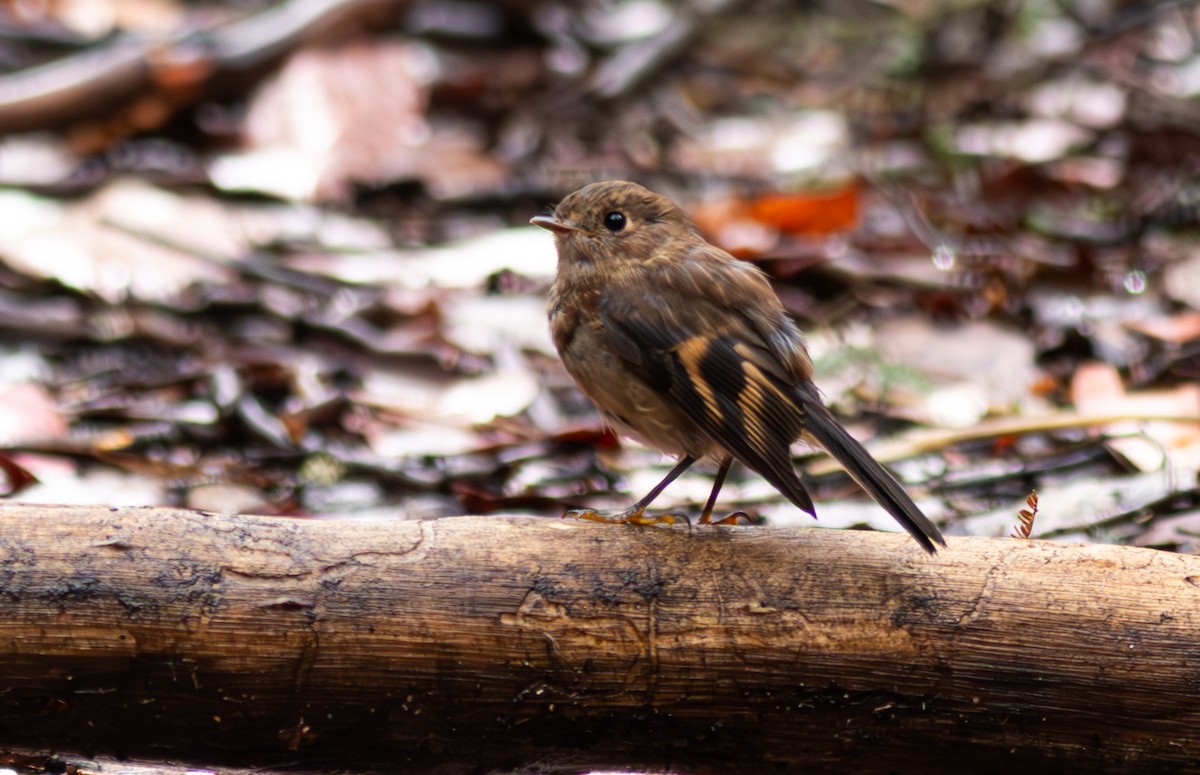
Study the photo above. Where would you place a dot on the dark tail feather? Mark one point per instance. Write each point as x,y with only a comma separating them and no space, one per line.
865,470
787,482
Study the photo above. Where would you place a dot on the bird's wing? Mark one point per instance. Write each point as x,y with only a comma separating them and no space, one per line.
690,337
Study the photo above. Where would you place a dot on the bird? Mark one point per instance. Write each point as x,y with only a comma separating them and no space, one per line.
689,350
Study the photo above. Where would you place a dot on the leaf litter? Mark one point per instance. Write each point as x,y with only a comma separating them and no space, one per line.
306,286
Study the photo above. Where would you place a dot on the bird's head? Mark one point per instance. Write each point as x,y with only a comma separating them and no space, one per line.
615,221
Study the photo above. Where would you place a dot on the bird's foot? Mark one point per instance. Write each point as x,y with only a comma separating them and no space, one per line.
633,515
729,519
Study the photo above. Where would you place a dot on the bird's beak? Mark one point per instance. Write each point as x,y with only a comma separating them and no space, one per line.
550,223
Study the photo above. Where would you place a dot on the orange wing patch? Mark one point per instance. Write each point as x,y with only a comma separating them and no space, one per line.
691,353
755,405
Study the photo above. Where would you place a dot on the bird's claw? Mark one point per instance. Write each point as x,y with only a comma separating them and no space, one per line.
633,516
729,519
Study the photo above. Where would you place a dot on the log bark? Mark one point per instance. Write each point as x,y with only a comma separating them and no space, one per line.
467,644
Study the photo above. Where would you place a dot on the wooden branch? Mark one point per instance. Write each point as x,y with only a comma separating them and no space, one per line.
474,643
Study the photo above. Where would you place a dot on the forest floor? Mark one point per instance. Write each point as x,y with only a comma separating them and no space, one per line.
275,258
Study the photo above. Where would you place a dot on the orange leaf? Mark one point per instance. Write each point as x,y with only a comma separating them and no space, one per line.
809,213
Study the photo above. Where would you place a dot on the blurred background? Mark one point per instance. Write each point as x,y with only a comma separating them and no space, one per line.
274,257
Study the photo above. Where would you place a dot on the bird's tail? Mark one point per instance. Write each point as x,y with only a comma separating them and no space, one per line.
864,469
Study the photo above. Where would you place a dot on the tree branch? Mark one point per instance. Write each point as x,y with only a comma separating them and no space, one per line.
473,643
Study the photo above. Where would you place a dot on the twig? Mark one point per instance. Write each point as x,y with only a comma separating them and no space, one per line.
925,440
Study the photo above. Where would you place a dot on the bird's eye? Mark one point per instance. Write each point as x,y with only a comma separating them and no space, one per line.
614,221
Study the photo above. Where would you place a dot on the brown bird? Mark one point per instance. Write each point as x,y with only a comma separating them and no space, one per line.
689,350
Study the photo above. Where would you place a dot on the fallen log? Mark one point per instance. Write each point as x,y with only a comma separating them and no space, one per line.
472,643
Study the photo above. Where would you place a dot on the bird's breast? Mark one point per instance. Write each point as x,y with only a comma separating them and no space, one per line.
631,406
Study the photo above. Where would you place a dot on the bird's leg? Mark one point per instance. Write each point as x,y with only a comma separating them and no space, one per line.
635,514
728,519
706,516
